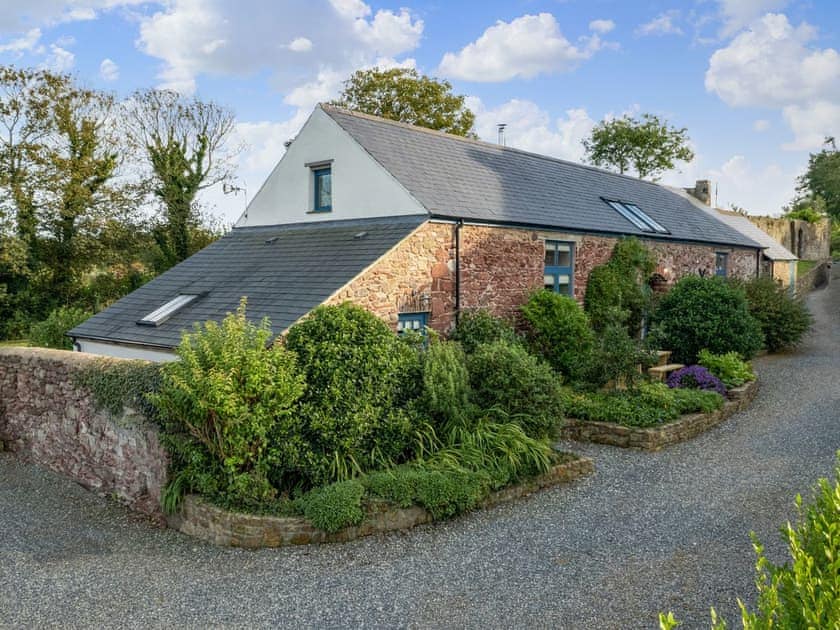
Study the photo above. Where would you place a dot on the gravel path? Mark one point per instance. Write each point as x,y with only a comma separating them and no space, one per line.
647,532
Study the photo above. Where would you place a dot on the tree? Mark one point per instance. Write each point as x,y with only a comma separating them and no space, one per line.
648,146
403,94
822,178
185,144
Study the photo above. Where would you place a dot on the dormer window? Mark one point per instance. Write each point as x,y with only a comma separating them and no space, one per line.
323,189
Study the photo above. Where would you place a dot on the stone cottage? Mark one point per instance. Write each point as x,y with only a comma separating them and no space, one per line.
416,226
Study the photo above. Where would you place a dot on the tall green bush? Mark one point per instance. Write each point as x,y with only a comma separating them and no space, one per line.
617,358
52,332
360,378
708,313
506,376
223,405
480,326
784,319
446,382
558,330
617,292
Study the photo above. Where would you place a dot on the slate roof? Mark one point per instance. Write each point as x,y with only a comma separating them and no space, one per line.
455,177
285,271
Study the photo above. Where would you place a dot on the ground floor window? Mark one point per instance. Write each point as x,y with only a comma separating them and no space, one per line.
559,267
721,264
412,321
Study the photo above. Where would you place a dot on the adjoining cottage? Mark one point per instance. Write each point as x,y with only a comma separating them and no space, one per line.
416,226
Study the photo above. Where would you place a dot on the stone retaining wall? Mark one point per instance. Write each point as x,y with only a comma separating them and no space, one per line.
220,527
46,418
816,276
656,438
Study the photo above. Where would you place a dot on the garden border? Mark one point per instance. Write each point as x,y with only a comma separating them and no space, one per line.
215,525
655,438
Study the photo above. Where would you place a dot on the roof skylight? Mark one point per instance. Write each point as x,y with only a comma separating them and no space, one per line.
637,217
160,315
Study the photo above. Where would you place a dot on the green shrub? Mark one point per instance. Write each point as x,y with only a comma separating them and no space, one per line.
784,320
649,404
617,292
360,378
51,333
558,330
617,357
479,327
504,375
223,405
335,506
805,592
446,382
708,313
444,493
728,367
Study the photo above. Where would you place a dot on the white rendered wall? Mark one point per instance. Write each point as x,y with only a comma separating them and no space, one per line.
125,352
361,187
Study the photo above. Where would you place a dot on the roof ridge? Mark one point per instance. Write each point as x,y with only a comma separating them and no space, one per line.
328,108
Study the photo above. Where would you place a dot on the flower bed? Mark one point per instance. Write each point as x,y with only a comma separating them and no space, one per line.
213,524
655,438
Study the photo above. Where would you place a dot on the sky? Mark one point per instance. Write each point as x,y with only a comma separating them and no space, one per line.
755,82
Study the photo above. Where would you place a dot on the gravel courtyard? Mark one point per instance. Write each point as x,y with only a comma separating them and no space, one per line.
647,532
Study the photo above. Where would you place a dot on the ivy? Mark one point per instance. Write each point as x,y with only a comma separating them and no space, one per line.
118,384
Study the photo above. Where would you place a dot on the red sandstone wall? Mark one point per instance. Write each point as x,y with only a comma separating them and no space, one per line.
47,419
500,266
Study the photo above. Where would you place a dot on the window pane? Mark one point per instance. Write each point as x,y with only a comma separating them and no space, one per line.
323,189
564,284
627,214
564,255
548,282
549,254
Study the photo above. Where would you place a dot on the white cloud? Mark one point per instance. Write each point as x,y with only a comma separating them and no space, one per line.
22,44
59,60
736,14
772,64
525,47
300,44
16,17
601,26
811,124
108,70
662,24
194,37
761,124
531,129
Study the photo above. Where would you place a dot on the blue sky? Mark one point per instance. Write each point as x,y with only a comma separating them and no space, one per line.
756,82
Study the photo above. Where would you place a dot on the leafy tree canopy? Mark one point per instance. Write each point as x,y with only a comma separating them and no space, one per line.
648,146
822,178
405,95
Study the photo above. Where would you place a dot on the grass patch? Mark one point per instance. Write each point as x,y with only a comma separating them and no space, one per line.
20,343
804,266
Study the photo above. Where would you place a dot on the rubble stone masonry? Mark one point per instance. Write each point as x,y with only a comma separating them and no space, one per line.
500,266
46,418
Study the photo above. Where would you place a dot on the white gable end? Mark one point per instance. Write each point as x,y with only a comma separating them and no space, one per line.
361,187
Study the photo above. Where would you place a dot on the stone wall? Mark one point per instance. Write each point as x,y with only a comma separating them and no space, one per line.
808,241
500,266
815,277
46,418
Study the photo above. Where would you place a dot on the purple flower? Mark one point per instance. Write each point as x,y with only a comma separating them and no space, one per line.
696,377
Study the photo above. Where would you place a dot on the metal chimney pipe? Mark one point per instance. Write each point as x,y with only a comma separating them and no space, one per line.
501,128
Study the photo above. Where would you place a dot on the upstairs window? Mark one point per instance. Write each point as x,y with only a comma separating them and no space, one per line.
559,259
160,315
323,189
637,217
721,264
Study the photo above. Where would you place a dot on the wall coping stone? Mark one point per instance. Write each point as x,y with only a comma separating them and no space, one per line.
215,525
655,438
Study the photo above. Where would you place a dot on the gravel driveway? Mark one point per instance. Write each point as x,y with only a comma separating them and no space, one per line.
647,532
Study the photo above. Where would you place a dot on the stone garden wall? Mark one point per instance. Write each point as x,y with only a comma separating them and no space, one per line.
46,418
